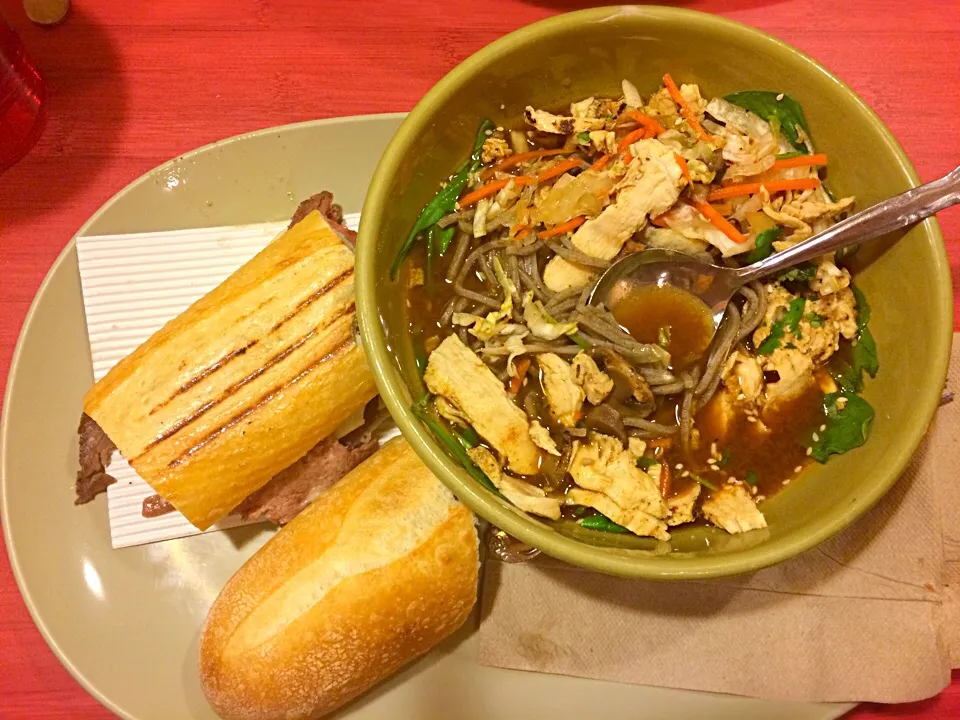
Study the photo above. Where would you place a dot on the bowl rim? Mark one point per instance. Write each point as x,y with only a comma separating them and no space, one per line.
525,528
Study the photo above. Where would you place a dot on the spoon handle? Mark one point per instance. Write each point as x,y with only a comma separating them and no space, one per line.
897,212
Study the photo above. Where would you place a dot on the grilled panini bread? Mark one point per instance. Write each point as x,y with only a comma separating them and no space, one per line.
370,576
245,381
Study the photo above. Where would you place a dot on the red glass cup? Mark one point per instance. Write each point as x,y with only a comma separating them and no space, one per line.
21,99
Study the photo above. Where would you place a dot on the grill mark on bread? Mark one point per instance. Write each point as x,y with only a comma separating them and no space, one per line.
205,373
231,390
260,402
310,299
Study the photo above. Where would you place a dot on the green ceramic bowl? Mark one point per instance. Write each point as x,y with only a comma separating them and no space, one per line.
585,53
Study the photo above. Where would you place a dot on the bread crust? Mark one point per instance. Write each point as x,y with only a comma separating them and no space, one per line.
283,641
245,381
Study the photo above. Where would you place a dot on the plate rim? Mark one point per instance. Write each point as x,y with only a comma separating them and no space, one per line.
832,710
5,416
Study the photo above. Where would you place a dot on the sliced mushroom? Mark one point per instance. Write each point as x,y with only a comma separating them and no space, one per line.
622,371
604,419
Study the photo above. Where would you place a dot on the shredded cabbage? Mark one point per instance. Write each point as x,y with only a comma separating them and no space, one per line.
540,323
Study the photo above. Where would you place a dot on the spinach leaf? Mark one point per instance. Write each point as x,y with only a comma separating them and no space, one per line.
788,155
705,483
815,319
603,523
663,336
456,443
789,321
445,237
786,111
772,341
801,273
763,248
645,463
865,359
791,318
724,458
444,201
583,138
751,478
847,427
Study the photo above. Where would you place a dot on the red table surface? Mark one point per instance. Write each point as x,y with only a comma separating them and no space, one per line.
134,84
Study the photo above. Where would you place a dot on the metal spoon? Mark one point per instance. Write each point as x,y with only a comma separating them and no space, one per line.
715,285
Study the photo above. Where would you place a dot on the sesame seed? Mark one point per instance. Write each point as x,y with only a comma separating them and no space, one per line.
685,473
502,106
732,479
751,418
761,498
798,469
787,481
822,428
678,466
816,437
713,448
779,97
488,133
809,451
753,490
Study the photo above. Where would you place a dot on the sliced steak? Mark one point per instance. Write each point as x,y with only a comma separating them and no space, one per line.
96,450
291,490
323,203
155,506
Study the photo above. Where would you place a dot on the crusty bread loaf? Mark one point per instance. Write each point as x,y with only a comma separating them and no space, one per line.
373,574
243,382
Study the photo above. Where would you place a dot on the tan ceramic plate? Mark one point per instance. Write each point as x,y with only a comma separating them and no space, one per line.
125,622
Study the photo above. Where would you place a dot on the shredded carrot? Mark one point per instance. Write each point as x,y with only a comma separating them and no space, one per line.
659,221
520,158
522,365
688,114
491,188
664,479
562,228
646,121
518,231
683,167
631,137
772,186
601,163
800,161
559,169
627,158
719,221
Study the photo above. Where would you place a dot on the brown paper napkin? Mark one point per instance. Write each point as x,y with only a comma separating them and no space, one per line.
870,615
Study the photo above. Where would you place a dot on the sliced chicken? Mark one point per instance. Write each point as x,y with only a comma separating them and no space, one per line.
795,371
561,274
596,384
682,506
525,496
732,509
651,187
456,373
602,465
558,125
636,521
564,395
542,438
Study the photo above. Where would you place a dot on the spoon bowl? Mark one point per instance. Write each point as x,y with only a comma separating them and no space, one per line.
712,284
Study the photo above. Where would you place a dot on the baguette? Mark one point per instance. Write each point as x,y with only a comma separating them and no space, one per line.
370,576
245,381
